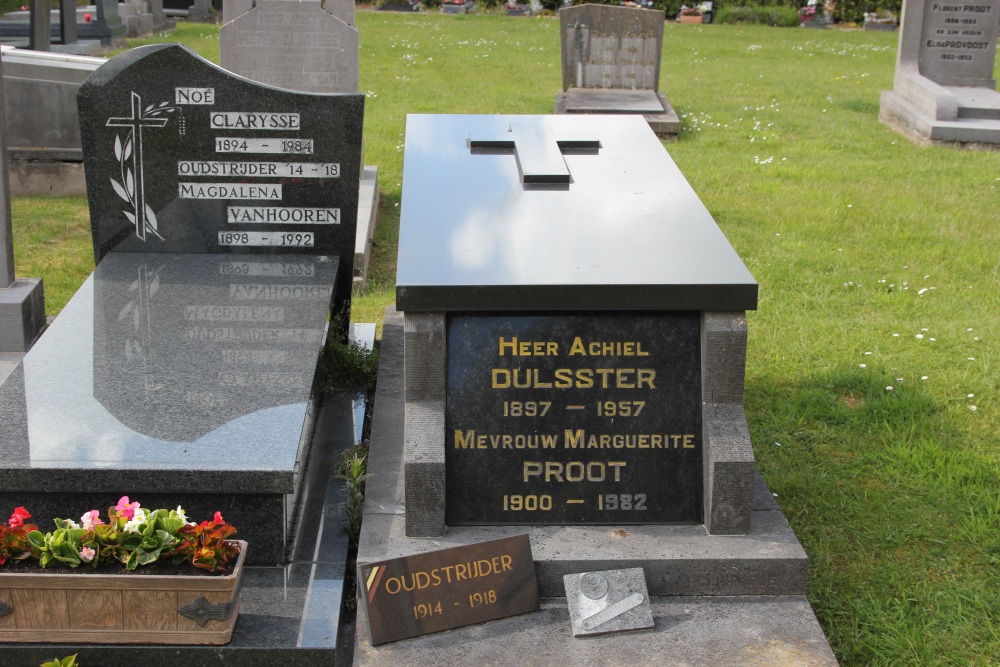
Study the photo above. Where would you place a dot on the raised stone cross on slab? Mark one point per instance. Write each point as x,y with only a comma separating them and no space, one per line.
538,151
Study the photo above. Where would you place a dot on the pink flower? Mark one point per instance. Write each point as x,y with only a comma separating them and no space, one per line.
125,508
17,518
90,519
218,518
87,554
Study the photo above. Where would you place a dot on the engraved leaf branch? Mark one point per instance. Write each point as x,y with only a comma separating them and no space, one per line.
126,188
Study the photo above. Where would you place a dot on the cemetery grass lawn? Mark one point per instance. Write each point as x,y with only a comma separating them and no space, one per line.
872,371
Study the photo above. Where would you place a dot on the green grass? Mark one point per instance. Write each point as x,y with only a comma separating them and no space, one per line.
854,234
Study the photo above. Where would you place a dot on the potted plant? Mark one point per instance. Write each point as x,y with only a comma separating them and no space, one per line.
689,14
141,577
881,20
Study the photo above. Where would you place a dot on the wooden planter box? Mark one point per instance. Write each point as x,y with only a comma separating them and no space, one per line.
690,19
120,608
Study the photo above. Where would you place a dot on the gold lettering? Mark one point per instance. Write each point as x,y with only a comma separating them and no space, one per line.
505,344
504,378
577,347
532,469
646,377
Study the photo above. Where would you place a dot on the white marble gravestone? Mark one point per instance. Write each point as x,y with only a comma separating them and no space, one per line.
944,88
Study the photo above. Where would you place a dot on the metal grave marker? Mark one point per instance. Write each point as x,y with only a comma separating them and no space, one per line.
450,588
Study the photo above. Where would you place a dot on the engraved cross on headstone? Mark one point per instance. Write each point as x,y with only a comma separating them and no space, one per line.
538,151
136,121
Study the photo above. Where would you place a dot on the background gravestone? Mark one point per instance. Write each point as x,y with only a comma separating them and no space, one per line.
22,304
294,45
301,46
944,88
41,121
611,64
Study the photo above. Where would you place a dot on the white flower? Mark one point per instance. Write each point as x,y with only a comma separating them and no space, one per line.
72,524
135,523
973,408
889,388
862,365
180,514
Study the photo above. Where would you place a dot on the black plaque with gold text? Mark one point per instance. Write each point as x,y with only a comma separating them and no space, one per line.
574,418
450,588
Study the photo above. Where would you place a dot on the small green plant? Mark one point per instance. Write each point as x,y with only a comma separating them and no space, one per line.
68,661
349,367
353,469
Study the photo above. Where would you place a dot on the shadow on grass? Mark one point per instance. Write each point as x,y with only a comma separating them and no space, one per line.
893,505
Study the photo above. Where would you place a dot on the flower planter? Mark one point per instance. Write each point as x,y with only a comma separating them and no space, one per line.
129,608
690,19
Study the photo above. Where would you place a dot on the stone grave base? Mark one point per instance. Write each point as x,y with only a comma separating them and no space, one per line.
46,174
978,120
714,580
22,314
289,615
690,631
367,214
652,104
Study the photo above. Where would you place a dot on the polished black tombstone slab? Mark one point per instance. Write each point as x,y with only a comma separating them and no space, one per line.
570,418
176,379
183,156
627,232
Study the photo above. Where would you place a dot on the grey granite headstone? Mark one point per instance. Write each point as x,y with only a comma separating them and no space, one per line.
207,162
944,88
608,601
611,64
294,45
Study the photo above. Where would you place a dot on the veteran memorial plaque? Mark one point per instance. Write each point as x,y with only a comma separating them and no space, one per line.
440,590
574,418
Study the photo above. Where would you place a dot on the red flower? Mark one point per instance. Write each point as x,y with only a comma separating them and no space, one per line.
17,518
218,518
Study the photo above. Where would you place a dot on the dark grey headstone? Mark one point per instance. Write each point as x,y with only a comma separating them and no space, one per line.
182,156
568,419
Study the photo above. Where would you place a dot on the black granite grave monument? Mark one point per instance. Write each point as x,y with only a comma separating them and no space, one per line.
569,363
